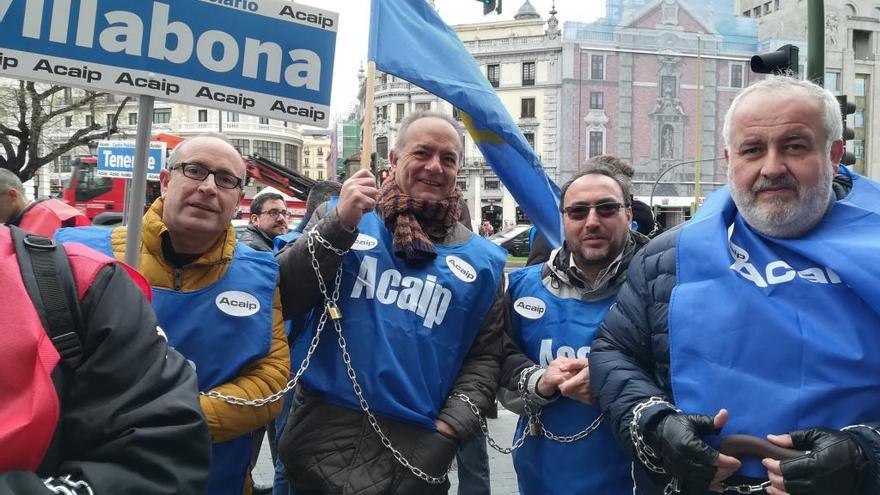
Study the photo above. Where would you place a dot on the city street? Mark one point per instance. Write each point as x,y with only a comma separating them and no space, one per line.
500,465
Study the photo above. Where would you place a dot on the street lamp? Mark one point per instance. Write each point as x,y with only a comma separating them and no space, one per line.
676,165
93,148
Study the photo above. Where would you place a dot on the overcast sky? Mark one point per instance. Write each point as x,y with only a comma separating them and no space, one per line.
354,19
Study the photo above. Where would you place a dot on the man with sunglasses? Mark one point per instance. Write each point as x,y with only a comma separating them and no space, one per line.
554,309
269,217
758,317
215,298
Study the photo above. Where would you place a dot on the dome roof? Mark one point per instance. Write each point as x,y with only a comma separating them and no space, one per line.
527,11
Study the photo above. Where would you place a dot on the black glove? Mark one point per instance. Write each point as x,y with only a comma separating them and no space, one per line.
834,464
677,441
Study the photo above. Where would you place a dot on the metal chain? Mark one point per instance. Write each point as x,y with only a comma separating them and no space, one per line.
312,237
746,489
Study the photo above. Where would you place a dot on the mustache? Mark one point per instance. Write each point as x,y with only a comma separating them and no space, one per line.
786,181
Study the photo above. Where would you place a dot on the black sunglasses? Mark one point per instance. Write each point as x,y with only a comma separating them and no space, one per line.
581,211
199,172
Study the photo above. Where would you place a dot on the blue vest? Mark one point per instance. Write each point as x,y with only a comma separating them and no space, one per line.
408,329
220,329
282,240
546,327
784,333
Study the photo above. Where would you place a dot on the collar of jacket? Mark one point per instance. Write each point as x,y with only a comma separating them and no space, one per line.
561,277
219,252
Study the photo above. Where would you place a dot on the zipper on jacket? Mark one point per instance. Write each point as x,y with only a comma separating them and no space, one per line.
178,279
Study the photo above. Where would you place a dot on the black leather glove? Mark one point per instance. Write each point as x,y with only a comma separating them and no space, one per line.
834,464
677,440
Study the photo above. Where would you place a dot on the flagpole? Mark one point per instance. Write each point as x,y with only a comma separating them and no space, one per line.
367,144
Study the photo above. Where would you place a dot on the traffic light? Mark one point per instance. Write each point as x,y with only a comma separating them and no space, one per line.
490,5
783,60
847,108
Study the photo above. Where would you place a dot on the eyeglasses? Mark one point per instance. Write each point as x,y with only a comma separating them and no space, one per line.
581,211
199,172
276,213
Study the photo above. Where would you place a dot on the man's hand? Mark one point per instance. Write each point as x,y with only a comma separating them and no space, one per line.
684,454
444,428
834,463
358,196
578,386
558,372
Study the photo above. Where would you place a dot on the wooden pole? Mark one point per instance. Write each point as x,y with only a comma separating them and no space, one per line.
369,112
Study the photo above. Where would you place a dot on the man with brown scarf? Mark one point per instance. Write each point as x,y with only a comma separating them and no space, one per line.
417,298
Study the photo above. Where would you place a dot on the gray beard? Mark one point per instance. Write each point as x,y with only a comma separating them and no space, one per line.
788,219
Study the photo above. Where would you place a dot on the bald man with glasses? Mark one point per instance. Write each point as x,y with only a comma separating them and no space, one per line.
216,298
554,309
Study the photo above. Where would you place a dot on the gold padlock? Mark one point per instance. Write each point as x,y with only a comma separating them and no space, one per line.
334,312
534,428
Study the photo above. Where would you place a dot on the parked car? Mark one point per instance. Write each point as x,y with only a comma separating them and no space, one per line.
515,240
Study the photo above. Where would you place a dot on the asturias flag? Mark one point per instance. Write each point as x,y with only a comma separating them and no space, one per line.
409,40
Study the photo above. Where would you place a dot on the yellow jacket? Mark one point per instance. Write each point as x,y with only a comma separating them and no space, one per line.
261,378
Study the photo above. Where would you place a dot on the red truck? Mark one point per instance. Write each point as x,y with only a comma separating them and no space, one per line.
102,199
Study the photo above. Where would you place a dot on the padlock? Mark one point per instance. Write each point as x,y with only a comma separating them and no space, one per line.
334,312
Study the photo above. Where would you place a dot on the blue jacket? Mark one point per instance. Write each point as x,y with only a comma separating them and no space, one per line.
629,358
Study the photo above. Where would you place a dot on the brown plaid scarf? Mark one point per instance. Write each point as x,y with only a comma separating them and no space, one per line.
417,223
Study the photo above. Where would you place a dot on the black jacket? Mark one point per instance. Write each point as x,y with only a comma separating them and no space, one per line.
334,449
130,421
257,239
629,359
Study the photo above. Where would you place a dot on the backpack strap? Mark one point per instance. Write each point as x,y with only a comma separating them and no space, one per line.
49,280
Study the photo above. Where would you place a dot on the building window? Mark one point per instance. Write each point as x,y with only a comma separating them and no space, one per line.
597,143
307,161
832,81
776,5
132,118
527,108
862,44
264,120
756,11
320,174
667,86
767,8
530,138
528,73
462,185
858,148
291,156
667,142
111,98
68,121
268,149
401,110
493,73
859,87
232,116
736,75
423,107
597,100
203,116
89,120
109,118
64,164
490,183
68,94
859,118
597,67
162,116
381,149
242,145
747,13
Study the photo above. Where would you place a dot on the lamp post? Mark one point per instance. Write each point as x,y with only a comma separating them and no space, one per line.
676,165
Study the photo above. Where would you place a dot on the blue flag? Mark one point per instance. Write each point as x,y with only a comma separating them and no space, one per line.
409,40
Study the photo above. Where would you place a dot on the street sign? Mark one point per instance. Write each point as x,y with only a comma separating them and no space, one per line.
271,58
116,159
